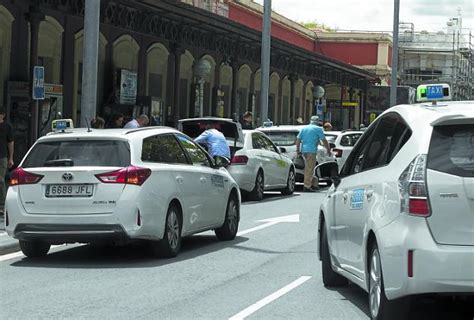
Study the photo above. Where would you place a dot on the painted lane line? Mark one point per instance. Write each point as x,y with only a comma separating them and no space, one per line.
19,254
269,299
270,222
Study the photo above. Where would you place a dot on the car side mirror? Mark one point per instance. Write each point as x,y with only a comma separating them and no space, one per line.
328,170
221,162
332,145
282,149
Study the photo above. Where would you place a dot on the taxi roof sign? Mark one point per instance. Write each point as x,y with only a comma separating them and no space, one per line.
61,125
433,92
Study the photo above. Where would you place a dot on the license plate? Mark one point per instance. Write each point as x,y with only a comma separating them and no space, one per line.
69,190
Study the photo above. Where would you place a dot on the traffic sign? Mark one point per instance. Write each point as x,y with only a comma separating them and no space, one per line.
38,83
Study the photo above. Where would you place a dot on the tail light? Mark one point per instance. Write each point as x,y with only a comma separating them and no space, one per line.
337,152
239,160
20,176
412,187
129,175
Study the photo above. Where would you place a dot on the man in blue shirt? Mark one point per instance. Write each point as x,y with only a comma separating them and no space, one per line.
307,144
215,142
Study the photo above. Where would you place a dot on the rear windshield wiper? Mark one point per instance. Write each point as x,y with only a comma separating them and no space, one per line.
59,163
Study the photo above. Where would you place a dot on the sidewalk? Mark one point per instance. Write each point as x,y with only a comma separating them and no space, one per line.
7,244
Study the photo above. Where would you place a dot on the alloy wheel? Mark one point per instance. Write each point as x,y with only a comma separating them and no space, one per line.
260,185
173,230
232,216
291,181
375,282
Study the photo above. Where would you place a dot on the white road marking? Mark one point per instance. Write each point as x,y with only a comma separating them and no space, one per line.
277,294
270,222
19,254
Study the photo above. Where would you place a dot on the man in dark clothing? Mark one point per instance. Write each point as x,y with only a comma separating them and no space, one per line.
6,155
247,120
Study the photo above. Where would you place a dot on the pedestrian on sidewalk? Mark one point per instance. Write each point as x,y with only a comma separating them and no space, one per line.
141,121
307,144
6,155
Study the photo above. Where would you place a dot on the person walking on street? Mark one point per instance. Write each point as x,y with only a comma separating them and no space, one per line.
141,121
307,144
215,142
6,155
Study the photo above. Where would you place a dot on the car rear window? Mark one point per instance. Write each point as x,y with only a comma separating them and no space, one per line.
90,153
330,138
452,150
282,138
349,140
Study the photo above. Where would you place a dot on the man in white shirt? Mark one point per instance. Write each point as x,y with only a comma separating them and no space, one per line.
141,121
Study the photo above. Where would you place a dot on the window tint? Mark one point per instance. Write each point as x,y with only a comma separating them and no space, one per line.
452,150
283,139
257,142
103,153
386,142
164,149
349,140
267,144
196,154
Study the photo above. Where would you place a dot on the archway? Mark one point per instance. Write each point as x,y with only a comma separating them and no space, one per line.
285,103
126,53
245,74
50,49
273,97
6,20
185,81
157,71
226,87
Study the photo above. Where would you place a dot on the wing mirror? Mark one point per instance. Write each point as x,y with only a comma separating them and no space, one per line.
221,162
282,149
332,145
328,170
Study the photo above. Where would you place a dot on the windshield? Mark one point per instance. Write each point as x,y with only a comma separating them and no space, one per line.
282,138
96,153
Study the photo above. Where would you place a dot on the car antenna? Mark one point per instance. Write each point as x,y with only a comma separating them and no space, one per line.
88,125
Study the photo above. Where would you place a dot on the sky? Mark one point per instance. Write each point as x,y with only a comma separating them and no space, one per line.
377,15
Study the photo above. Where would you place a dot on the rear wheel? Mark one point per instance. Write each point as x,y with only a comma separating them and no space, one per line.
330,277
380,307
169,246
228,231
257,193
290,183
34,249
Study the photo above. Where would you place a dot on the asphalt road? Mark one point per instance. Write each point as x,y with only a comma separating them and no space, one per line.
270,271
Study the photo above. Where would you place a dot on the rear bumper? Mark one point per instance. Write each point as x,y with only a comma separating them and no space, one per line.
444,269
244,176
60,233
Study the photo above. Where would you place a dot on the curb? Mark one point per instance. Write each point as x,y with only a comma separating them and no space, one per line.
9,246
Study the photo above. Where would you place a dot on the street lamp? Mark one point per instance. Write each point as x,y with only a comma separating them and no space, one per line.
201,70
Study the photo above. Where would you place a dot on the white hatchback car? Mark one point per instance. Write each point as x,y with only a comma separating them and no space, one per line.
112,185
399,221
343,142
257,164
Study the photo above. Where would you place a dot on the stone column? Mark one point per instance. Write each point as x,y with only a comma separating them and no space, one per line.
235,106
176,52
293,79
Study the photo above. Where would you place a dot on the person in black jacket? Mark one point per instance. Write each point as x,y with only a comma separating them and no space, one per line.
247,120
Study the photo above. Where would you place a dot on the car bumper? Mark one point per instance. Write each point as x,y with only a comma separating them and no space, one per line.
244,176
121,224
444,269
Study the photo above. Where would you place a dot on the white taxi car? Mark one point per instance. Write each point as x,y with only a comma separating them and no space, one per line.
257,165
343,142
399,221
113,185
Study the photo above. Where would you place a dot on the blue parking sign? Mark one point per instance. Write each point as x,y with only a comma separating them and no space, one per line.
38,83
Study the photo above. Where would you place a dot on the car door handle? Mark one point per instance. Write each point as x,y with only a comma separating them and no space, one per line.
369,194
203,180
179,179
344,197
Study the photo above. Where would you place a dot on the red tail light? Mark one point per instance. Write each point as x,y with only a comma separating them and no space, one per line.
337,152
239,160
419,207
412,186
129,175
20,176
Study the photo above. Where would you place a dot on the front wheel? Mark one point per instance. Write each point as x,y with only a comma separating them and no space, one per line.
169,246
228,231
290,183
380,307
34,249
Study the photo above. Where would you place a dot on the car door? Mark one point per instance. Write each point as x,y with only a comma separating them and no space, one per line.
208,184
264,157
279,167
372,180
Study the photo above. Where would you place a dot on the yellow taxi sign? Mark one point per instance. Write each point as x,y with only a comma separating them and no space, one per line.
433,92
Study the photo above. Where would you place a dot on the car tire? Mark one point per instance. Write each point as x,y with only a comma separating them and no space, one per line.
258,191
169,246
34,249
290,183
380,307
330,277
229,229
